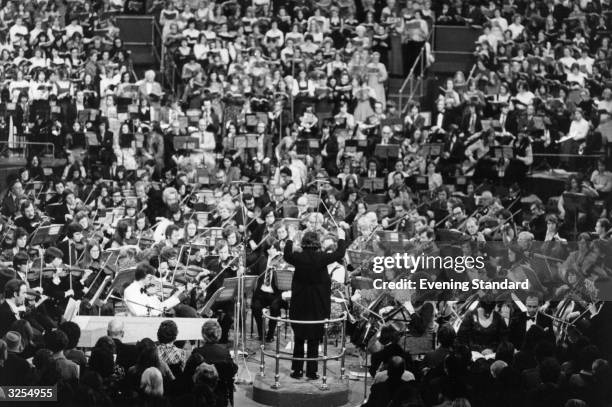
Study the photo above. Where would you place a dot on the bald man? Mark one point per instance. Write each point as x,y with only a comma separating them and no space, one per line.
126,353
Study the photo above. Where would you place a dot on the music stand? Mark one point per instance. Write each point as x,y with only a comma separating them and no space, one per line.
359,257
432,149
243,141
201,218
289,209
45,235
503,152
289,222
186,143
373,184
386,151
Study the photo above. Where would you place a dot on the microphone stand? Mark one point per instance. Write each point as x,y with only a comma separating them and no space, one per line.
244,375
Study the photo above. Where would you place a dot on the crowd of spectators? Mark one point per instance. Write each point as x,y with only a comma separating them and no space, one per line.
161,372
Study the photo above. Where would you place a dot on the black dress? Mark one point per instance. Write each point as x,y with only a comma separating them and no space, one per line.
517,170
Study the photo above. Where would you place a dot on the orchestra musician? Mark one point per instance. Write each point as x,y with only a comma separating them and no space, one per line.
225,266
310,295
266,293
139,303
29,219
10,204
521,322
60,286
72,245
36,311
20,240
482,329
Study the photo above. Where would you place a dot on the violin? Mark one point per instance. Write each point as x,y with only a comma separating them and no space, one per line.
64,271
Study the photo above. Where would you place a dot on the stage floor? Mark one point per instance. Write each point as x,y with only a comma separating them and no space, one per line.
244,392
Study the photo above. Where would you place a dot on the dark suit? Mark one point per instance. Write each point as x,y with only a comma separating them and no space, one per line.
10,205
17,371
518,327
218,355
7,317
465,123
126,354
310,297
393,394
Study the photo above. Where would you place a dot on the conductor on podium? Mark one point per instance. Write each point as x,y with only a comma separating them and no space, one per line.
310,296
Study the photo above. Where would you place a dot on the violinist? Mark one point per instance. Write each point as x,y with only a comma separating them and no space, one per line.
335,206
139,303
72,246
223,267
14,304
438,210
537,224
173,237
226,210
59,286
554,245
10,204
475,235
66,210
233,238
142,232
401,222
82,219
264,230
20,240
176,215
281,234
123,233
29,219
130,209
37,313
266,293
458,217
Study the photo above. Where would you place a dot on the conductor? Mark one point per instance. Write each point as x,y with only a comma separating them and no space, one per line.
310,296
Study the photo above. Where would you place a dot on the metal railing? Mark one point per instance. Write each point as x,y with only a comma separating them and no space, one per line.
278,356
23,147
414,83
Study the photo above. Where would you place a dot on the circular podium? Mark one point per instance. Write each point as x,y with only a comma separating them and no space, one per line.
303,392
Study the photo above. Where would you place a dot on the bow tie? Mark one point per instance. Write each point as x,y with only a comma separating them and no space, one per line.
531,319
143,291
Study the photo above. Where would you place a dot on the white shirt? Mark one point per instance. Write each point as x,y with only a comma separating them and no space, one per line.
516,30
579,129
71,29
137,302
18,30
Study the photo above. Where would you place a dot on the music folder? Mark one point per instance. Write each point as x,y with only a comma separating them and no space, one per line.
503,152
385,151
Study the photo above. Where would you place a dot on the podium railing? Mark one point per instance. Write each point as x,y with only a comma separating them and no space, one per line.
277,356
